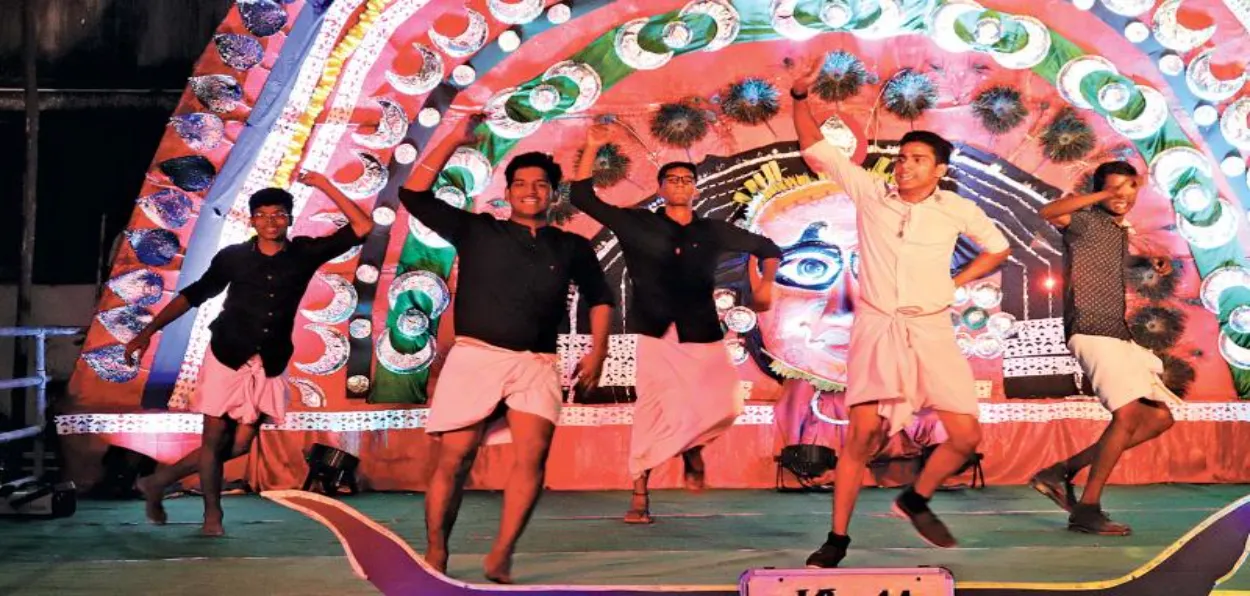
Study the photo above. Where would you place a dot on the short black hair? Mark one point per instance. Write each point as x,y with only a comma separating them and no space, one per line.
1099,180
535,159
677,164
267,197
942,148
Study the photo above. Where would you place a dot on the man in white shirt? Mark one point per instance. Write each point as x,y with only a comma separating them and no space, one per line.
903,355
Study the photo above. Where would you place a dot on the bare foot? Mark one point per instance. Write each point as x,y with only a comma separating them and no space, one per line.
152,496
212,527
498,568
437,558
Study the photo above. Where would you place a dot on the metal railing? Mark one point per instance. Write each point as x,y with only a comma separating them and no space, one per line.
39,381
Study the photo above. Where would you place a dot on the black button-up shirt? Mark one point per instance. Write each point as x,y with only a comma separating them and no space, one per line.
265,292
513,285
673,266
1093,294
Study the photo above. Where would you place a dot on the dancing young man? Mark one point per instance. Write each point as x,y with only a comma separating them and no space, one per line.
243,376
1125,376
903,356
513,287
687,386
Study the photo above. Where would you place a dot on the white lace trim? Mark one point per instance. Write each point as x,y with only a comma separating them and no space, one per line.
608,415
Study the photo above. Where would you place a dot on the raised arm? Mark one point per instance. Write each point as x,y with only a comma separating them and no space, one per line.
359,221
416,195
582,192
1059,211
212,283
821,156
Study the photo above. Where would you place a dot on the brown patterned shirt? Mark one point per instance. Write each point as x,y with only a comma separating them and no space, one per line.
1094,275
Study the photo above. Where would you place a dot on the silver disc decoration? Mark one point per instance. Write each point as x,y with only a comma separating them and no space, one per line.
737,349
1235,355
403,364
632,54
1214,284
413,323
1234,124
1205,85
589,84
986,294
740,319
1174,36
476,164
515,13
424,282
723,13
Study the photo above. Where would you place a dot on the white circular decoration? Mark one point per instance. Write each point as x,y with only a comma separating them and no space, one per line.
463,75
676,35
544,98
1235,355
1233,276
1136,32
837,14
1083,4
509,41
403,364
986,294
1001,324
1170,64
515,13
961,296
724,298
632,54
1213,236
589,85
1239,319
1149,121
1233,165
475,163
723,13
987,346
358,384
429,117
740,319
413,322
942,24
360,328
368,273
384,216
1071,74
1206,115
1128,8
987,30
1167,167
1035,49
559,13
1114,96
964,341
422,282
1194,197
737,349
405,154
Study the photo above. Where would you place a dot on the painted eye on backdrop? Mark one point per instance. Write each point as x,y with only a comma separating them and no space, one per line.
810,266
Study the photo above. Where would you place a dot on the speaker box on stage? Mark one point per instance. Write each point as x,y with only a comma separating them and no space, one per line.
799,465
122,467
38,499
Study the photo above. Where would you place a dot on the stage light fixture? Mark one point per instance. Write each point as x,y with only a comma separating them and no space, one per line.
330,468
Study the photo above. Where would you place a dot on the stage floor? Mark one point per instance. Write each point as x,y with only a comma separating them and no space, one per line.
1006,534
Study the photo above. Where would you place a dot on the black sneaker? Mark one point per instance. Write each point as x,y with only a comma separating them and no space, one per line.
830,553
1091,519
1055,484
915,509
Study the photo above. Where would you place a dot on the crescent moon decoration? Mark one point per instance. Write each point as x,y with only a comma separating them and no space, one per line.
476,164
370,182
518,13
335,218
1205,85
335,356
125,322
1071,74
1174,36
467,43
1034,51
942,25
1213,236
632,54
403,364
109,363
310,393
503,125
1146,124
423,282
426,79
1235,124
781,16
1235,355
886,24
392,127
589,85
1168,167
1215,283
1128,8
728,22
341,306
347,256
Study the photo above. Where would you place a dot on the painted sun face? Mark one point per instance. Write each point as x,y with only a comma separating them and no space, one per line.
809,326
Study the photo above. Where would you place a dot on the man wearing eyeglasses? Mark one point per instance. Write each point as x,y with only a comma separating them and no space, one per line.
903,355
687,386
242,378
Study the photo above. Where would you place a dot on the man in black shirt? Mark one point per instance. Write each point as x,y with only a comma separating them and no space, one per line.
1125,376
687,387
242,381
512,291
